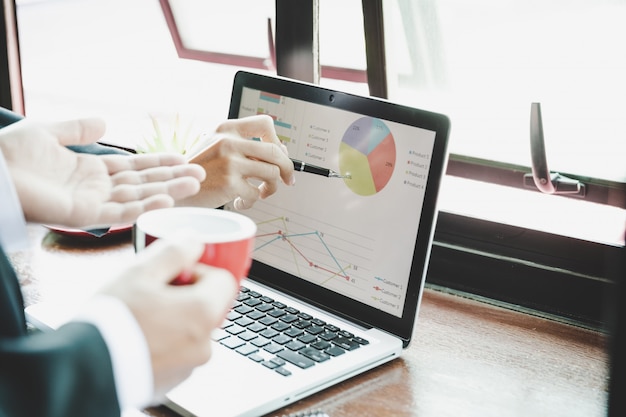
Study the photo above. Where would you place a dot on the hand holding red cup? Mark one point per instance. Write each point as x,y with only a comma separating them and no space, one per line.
228,236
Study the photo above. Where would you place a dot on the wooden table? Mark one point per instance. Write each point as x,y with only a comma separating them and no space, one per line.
467,358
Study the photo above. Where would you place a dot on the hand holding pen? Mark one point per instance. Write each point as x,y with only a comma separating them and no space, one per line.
313,169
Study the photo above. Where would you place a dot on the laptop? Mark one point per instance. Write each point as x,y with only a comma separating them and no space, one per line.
340,258
343,256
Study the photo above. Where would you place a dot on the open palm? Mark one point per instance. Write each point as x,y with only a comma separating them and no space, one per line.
58,186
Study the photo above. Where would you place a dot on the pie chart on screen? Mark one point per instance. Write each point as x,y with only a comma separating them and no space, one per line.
368,154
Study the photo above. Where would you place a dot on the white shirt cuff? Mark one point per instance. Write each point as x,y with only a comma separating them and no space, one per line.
13,233
130,356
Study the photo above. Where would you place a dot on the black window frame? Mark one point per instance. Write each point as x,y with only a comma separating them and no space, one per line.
11,91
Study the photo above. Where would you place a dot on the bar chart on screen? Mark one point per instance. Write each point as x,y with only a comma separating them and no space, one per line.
284,116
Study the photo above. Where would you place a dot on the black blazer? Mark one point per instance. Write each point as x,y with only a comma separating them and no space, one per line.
63,373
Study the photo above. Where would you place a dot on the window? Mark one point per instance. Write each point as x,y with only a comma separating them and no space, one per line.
198,30
115,59
481,62
484,62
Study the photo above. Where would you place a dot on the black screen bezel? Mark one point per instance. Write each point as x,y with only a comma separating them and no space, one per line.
341,305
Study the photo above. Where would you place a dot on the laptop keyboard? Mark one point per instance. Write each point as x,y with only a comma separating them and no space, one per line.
274,334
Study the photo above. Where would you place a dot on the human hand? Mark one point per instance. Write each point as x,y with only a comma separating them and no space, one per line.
176,321
231,160
60,187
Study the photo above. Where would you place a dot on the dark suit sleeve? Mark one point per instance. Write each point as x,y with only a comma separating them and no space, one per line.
8,117
64,373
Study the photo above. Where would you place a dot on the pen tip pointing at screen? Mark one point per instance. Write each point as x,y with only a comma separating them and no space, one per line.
334,174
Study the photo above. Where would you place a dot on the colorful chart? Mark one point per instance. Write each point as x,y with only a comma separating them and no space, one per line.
368,154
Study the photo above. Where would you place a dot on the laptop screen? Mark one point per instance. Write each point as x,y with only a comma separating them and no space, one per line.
357,243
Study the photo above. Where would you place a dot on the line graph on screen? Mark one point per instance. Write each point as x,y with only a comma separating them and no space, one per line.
324,254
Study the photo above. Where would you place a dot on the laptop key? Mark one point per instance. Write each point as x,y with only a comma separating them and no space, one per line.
260,341
283,371
247,336
292,310
278,361
256,315
332,328
244,321
302,324
280,326
273,348
314,354
296,359
264,307
247,349
232,342
327,336
295,345
232,315
235,329
307,338
219,334
347,344
289,318
256,327
293,332
320,345
243,309
268,321
314,329
318,322
345,334
305,316
269,333
361,341
252,302
335,351
276,313
281,339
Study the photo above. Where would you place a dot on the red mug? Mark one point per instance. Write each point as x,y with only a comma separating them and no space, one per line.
228,236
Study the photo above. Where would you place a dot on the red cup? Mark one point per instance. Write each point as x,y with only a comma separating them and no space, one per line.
228,236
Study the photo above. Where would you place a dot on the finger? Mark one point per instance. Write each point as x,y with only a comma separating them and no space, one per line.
271,149
216,288
272,154
258,126
118,163
159,174
116,213
266,172
247,195
176,188
78,131
166,258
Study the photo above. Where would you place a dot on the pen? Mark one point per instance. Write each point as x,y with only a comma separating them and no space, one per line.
313,169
